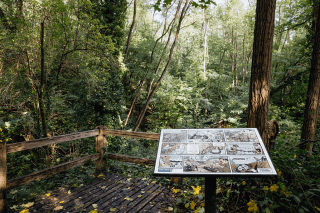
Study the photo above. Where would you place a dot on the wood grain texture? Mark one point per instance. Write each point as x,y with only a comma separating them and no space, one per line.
3,177
109,191
136,160
131,134
50,171
101,142
25,145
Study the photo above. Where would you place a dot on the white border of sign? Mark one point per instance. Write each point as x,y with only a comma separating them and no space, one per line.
200,154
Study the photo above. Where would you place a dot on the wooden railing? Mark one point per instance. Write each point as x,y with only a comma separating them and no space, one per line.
101,142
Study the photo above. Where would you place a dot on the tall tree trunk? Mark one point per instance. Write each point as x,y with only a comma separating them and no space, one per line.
243,58
41,92
261,68
205,44
235,63
149,88
151,61
312,103
131,28
143,111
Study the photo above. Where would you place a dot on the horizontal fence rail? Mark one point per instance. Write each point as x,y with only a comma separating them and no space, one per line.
100,132
131,134
19,181
25,145
136,160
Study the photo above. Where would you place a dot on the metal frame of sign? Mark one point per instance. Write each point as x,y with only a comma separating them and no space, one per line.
228,152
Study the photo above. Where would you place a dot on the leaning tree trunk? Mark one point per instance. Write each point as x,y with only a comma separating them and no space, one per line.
312,103
131,28
261,68
143,111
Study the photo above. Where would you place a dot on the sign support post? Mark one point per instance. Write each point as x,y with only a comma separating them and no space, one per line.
212,153
210,194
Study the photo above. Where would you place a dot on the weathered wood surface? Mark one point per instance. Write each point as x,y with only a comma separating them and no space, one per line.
131,134
50,171
136,160
25,145
109,191
3,177
101,142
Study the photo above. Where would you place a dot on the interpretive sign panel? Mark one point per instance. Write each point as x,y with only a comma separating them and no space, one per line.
219,152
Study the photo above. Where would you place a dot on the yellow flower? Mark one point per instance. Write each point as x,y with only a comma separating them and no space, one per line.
196,190
279,172
274,188
266,188
202,204
48,194
186,179
192,205
317,208
243,183
100,175
286,193
175,190
294,156
186,205
253,207
93,211
24,211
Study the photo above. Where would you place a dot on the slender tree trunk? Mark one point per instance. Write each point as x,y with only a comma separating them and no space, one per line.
143,111
163,52
41,92
243,58
218,92
151,61
235,63
205,44
131,28
261,68
312,103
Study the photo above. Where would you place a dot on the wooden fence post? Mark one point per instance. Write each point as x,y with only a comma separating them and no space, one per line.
101,142
3,177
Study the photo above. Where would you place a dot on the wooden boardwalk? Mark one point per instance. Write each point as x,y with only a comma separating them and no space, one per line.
110,192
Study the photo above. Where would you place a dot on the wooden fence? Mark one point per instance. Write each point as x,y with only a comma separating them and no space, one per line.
101,142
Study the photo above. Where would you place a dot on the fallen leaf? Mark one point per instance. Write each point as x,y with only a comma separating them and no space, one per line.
113,209
58,208
95,206
62,201
28,204
48,194
143,192
139,195
127,198
103,187
69,192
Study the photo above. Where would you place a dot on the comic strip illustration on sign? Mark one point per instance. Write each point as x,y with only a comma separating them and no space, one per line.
212,152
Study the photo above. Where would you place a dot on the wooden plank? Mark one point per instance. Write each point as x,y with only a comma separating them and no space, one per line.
132,134
91,194
111,193
25,145
136,186
50,171
117,195
3,177
124,158
128,204
139,204
61,193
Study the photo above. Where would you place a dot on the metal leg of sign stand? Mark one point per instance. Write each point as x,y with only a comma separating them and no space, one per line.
210,195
